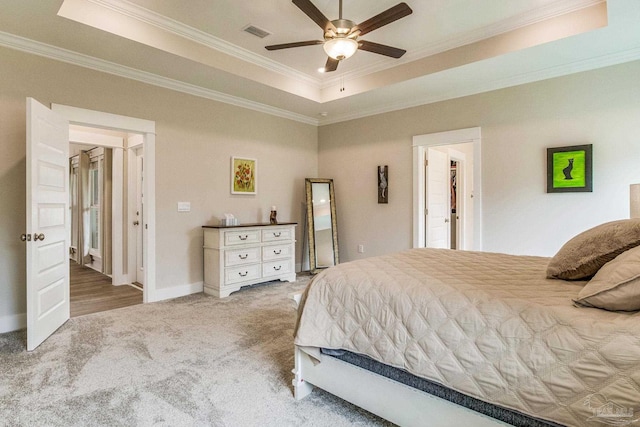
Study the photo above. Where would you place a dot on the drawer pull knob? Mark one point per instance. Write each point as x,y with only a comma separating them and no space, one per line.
278,234
278,252
245,256
277,268
243,275
243,237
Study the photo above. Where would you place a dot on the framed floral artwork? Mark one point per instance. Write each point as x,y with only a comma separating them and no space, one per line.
244,174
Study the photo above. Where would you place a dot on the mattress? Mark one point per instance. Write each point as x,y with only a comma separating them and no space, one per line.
488,325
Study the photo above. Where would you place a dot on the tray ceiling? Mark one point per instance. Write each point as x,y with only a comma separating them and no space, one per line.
454,48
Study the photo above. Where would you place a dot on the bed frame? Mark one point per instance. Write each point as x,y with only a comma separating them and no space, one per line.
389,399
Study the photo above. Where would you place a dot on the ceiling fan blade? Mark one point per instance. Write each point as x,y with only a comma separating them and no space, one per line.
295,44
331,65
314,13
381,49
388,16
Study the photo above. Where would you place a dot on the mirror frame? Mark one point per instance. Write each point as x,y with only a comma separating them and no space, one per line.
310,223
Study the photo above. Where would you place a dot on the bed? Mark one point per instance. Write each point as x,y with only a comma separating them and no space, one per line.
490,329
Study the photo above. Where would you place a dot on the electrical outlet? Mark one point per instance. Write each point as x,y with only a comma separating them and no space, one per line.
360,249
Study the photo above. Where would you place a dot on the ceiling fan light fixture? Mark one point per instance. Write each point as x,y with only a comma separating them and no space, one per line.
340,48
341,35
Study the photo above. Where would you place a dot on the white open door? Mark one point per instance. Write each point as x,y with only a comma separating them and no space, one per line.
47,222
138,222
437,200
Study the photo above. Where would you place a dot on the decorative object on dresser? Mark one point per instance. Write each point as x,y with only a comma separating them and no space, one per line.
321,224
273,216
569,169
244,255
244,175
229,220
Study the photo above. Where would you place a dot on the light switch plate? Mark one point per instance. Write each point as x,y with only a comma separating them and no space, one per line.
184,206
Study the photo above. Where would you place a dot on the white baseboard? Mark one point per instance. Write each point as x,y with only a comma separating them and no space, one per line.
13,322
176,291
19,321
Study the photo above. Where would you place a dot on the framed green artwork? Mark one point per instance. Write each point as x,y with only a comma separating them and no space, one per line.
244,173
569,169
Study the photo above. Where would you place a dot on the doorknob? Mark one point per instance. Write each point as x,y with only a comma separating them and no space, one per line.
37,237
136,222
446,220
25,237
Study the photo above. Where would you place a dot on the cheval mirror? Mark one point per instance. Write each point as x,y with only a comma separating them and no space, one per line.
321,224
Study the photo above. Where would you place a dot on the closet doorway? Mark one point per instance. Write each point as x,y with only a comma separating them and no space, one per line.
446,190
97,188
136,202
448,196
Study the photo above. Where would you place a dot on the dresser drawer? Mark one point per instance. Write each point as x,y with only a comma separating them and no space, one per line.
270,253
241,237
276,268
241,256
241,273
276,234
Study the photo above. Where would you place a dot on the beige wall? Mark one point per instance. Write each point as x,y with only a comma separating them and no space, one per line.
196,137
600,107
194,143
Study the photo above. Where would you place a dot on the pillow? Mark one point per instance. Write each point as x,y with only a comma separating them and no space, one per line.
582,256
616,286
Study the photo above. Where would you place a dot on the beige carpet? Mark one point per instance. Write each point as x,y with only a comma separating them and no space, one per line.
192,361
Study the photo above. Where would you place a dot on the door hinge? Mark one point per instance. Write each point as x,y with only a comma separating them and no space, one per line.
426,211
426,162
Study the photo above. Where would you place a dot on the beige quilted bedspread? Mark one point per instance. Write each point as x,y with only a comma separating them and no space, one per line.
488,325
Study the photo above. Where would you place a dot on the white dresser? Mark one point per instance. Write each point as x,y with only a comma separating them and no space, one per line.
244,255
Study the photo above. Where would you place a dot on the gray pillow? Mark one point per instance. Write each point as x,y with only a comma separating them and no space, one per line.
582,256
616,286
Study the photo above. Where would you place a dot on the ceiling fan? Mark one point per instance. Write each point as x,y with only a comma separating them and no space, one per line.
341,35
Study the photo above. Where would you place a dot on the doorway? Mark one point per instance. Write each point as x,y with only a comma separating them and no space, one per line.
140,134
48,225
455,205
93,286
136,211
447,190
448,196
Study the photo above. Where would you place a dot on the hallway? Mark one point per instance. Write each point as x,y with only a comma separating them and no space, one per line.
92,292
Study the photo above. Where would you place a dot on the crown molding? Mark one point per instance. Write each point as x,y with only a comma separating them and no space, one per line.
52,52
41,49
530,77
555,9
165,23
59,54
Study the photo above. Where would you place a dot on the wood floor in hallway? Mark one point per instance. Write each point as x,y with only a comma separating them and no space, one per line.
92,292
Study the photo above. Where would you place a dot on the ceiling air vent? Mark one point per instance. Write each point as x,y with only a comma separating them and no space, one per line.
258,32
